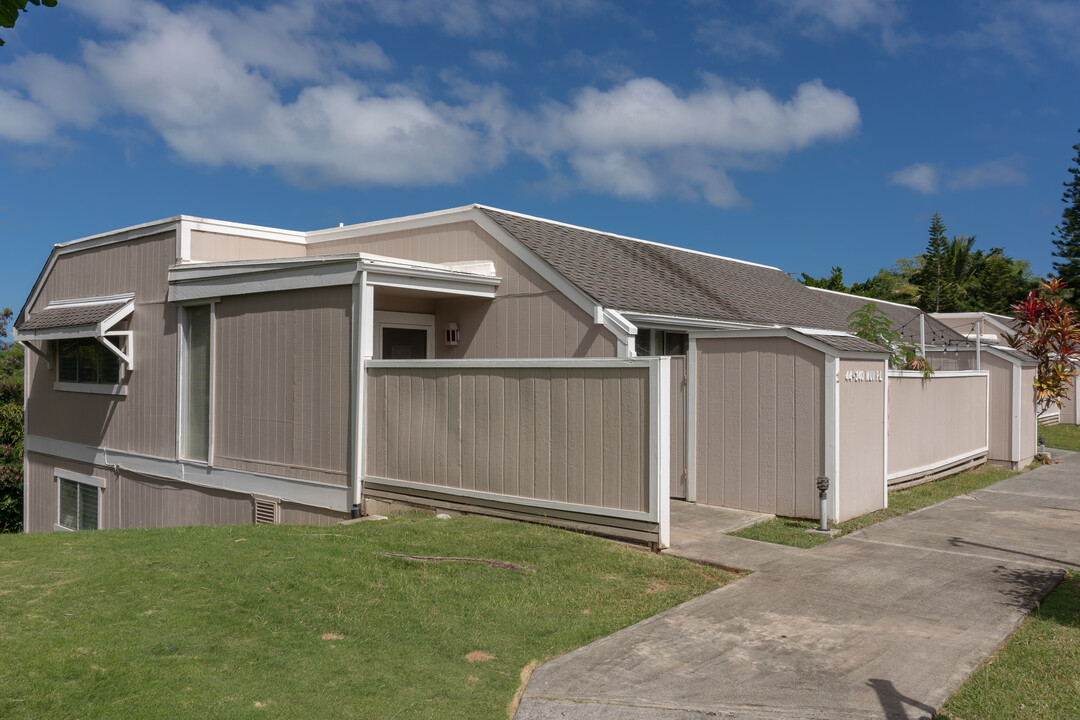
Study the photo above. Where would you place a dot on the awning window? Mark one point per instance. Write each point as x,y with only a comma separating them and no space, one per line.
82,318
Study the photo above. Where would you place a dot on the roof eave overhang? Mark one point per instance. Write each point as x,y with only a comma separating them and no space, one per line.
189,283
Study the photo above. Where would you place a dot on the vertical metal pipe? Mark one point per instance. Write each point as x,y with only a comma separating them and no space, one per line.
978,344
922,334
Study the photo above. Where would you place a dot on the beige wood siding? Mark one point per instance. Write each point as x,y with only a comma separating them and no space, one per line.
281,383
130,500
862,437
935,422
219,247
679,398
1000,408
527,318
1068,409
760,424
144,420
573,435
1028,427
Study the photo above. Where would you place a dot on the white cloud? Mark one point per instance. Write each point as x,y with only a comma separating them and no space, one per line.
211,84
737,41
845,15
269,89
927,179
995,173
920,177
642,136
1025,28
473,18
491,60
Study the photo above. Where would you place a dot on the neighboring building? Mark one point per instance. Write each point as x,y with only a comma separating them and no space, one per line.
193,371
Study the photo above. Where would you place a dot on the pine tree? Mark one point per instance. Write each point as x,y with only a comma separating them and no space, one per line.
1067,235
934,277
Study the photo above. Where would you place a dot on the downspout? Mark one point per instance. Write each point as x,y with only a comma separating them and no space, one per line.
922,334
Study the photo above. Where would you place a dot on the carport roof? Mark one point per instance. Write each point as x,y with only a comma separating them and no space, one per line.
632,275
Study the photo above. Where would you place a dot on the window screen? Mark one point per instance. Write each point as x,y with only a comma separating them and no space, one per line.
195,379
78,505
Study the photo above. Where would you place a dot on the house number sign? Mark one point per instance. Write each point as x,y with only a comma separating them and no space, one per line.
863,376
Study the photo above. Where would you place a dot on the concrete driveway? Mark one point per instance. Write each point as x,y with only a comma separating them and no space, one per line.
883,623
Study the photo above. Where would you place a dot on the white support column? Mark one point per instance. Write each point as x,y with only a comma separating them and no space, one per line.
832,433
885,443
691,420
1016,431
660,434
922,334
363,340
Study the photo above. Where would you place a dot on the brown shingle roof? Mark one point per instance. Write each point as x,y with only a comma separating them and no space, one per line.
848,343
635,275
70,315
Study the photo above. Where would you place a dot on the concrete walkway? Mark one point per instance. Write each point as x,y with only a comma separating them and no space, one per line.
883,623
699,533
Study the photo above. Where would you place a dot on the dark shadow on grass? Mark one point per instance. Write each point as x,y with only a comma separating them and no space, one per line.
957,542
894,703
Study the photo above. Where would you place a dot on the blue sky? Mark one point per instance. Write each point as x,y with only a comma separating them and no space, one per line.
795,133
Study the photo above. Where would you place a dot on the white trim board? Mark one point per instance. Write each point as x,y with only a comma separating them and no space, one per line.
301,492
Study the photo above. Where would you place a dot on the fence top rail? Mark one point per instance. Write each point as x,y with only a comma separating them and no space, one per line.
938,374
640,362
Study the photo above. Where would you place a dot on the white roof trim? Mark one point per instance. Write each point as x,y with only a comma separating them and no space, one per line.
869,300
625,237
203,280
655,320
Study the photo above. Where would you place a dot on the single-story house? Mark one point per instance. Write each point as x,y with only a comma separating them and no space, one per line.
195,371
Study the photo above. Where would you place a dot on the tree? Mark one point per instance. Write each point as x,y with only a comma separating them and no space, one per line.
11,429
10,9
1049,333
1067,235
934,279
835,281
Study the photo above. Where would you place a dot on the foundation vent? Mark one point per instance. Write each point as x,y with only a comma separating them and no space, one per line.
267,511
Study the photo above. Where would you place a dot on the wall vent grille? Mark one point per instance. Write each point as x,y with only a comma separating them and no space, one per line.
267,511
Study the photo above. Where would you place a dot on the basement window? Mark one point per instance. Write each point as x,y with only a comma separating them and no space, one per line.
78,505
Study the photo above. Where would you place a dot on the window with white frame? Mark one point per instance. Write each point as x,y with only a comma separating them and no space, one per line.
195,383
86,360
404,336
78,505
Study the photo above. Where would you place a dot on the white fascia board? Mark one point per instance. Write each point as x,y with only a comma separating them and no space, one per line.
197,281
135,232
599,362
998,353
72,332
537,264
303,492
783,332
679,322
624,331
626,237
224,227
408,222
289,279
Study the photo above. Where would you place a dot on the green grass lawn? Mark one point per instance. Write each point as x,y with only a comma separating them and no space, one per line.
290,622
788,531
1062,437
1036,676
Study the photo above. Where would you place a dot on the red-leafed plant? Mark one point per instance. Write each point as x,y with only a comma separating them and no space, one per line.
1048,332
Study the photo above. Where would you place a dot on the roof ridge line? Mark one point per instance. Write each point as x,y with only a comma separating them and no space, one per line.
625,237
